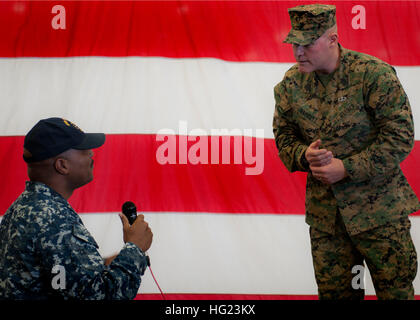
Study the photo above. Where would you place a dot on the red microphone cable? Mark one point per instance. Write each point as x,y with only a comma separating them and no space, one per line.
151,272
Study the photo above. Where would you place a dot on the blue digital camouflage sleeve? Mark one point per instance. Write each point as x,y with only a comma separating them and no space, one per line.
73,249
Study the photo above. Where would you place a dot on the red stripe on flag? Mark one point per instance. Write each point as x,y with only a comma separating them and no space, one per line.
126,168
209,296
229,30
222,296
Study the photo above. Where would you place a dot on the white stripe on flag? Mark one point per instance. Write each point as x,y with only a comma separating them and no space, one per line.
236,254
145,95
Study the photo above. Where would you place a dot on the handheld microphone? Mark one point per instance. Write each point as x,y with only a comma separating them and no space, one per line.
130,211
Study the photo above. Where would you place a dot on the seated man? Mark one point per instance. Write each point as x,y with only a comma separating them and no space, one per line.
42,237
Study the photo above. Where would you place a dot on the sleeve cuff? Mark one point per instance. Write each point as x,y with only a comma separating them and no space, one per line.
303,163
350,168
132,245
142,262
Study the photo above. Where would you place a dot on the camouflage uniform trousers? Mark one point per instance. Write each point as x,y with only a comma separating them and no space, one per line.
389,254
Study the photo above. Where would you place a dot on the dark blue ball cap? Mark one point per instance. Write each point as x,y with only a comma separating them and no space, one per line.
52,136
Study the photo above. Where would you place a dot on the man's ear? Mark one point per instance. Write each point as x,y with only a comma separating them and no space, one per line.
333,39
62,166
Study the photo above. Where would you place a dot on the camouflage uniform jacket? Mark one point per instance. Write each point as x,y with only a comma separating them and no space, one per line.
364,117
41,230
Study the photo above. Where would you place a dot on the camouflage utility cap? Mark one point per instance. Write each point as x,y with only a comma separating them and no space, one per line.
309,22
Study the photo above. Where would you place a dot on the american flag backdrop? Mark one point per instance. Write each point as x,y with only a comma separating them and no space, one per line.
184,92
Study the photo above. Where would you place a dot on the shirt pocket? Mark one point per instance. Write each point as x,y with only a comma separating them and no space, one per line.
306,113
84,251
83,236
349,126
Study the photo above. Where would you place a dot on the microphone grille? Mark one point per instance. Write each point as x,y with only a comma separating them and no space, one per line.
129,207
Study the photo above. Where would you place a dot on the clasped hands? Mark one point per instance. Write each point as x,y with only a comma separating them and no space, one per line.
323,165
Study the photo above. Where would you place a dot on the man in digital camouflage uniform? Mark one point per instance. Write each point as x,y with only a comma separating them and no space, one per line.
45,250
343,117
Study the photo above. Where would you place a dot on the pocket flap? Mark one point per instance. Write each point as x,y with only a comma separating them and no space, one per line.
81,233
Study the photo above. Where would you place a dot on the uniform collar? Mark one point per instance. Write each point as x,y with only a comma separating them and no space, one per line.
39,187
340,79
341,74
44,190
